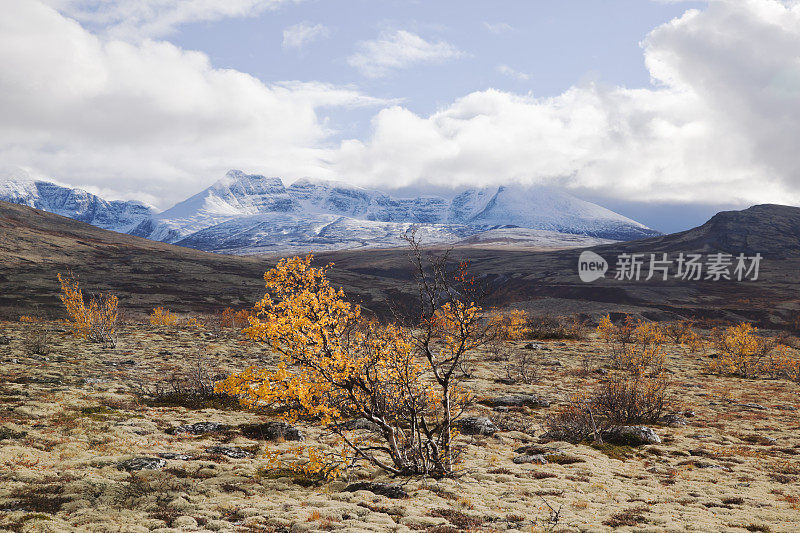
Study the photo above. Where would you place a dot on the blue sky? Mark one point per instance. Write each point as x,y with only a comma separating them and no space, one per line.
555,44
666,111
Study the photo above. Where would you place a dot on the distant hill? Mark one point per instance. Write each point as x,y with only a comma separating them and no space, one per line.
36,245
548,282
769,229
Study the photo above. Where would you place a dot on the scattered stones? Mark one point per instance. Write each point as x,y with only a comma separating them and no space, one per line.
233,452
272,430
8,433
176,456
753,406
673,420
537,459
127,362
390,490
631,435
533,449
699,452
39,380
198,428
477,425
517,400
142,463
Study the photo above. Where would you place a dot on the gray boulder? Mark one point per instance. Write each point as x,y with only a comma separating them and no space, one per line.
233,452
272,430
477,425
142,463
198,428
631,435
536,459
389,490
517,400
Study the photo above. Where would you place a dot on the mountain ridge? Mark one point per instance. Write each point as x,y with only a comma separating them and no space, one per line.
249,213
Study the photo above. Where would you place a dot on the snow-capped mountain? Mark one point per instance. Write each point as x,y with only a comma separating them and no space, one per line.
24,188
542,208
248,213
235,195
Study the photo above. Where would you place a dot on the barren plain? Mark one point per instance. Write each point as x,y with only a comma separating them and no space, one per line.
87,443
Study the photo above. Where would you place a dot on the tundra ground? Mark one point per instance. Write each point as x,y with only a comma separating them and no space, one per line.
69,419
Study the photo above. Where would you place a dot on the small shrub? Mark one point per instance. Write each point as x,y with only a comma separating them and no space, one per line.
626,400
741,351
195,323
162,317
521,368
636,346
623,399
784,362
575,421
230,318
36,336
96,322
337,366
510,325
628,517
549,327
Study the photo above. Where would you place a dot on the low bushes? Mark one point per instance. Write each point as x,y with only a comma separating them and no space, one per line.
550,327
97,321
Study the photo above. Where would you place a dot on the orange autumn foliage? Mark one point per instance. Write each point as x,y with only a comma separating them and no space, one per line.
96,321
337,366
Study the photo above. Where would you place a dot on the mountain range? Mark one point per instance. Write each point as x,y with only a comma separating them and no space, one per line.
35,245
249,214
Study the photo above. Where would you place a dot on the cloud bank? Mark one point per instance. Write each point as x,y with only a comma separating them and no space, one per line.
719,124
147,119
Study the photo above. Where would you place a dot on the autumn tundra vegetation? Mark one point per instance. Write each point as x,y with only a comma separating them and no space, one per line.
419,399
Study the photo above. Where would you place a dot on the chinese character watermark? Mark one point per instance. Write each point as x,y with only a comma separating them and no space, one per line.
663,267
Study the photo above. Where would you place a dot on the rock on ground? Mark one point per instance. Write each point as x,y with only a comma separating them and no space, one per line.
477,425
631,435
142,463
389,490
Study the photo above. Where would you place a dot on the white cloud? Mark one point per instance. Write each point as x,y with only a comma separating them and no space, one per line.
720,123
505,70
147,119
152,18
399,50
499,28
299,35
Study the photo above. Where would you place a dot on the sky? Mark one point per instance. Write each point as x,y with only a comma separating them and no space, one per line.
666,111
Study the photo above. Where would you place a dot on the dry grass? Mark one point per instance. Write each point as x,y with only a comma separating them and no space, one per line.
68,420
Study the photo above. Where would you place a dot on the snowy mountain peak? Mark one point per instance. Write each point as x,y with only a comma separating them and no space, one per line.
236,194
26,188
243,213
543,208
